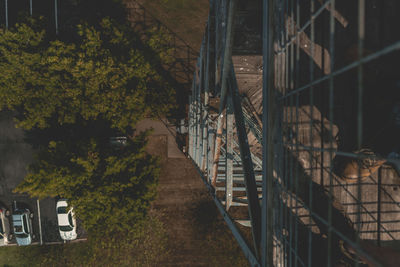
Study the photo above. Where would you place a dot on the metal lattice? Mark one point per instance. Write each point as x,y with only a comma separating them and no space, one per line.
299,140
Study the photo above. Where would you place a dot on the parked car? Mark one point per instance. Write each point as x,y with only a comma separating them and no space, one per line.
5,233
22,222
66,220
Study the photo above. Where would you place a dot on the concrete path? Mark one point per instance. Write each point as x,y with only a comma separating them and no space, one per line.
161,127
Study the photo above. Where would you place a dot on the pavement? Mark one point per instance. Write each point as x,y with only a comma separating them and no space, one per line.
15,156
161,127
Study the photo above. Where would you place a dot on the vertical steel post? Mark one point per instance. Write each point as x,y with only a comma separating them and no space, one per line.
202,113
198,121
297,176
211,49
30,7
330,117
211,138
190,145
206,98
6,12
207,64
193,117
267,150
378,208
229,154
195,120
40,222
311,157
247,163
225,72
216,43
204,140
56,15
360,87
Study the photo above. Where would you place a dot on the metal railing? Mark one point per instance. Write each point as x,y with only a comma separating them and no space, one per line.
332,166
330,127
231,171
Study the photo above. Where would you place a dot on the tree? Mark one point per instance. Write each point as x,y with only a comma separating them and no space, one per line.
74,95
108,186
100,77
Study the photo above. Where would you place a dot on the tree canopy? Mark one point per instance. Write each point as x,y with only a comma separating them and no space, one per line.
108,186
101,76
71,96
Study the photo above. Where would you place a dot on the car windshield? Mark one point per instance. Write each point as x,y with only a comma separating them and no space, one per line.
61,210
65,228
18,229
21,235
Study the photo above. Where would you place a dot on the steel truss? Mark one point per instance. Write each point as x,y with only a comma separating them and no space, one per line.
303,210
222,154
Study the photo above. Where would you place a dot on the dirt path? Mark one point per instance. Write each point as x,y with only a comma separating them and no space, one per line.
197,235
180,187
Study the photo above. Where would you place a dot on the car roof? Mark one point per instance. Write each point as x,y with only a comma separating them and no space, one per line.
63,219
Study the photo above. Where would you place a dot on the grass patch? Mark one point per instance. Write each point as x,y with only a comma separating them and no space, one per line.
144,246
46,255
216,240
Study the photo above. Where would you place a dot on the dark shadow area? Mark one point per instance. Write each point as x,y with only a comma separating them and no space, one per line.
73,12
213,235
380,93
80,131
295,231
321,203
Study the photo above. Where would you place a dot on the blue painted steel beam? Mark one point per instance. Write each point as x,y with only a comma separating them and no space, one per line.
211,138
56,14
200,152
251,187
229,154
227,62
6,12
267,137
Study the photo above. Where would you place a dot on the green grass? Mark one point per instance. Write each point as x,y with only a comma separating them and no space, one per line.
146,246
46,255
216,240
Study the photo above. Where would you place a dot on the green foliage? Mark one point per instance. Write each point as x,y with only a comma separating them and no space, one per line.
161,43
144,245
109,187
102,76
72,93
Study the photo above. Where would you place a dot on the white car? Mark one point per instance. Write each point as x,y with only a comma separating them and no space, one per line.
22,222
66,220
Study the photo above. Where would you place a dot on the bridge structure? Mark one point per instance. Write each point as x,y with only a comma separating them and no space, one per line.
285,133
293,118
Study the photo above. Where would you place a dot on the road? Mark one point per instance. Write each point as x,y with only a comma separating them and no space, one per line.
15,157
